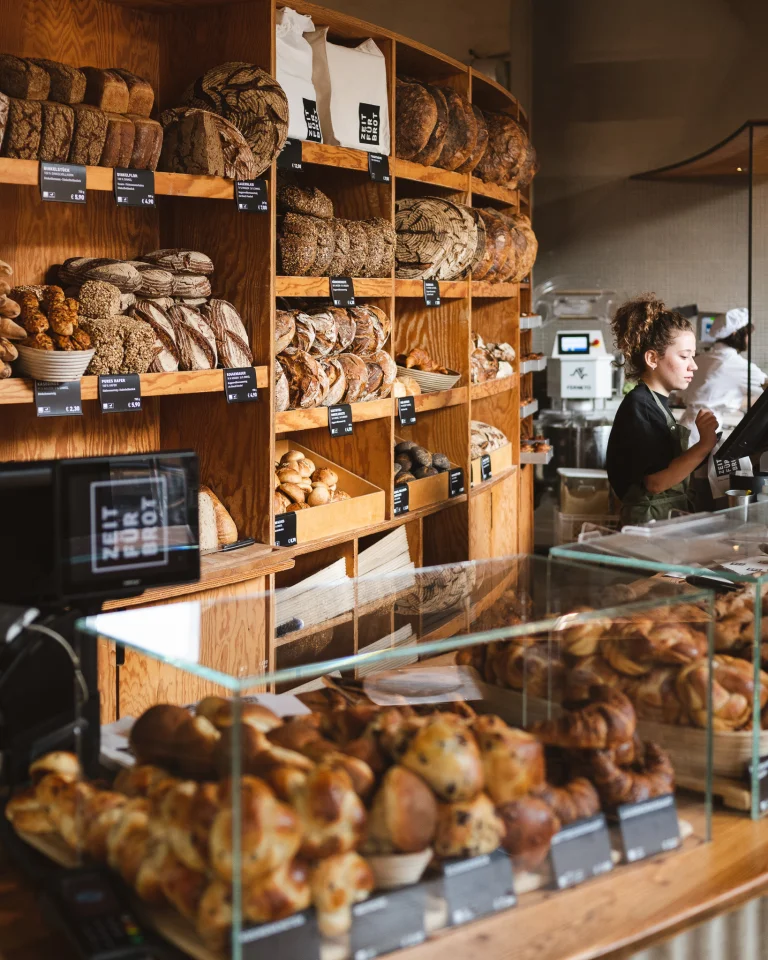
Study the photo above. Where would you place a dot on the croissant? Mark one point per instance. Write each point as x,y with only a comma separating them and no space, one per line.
338,882
530,666
609,719
188,811
138,780
581,639
652,777
574,801
104,810
513,760
27,814
445,755
529,825
625,645
151,873
733,691
182,887
128,841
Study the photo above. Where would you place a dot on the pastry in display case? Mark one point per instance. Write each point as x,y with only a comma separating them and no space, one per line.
334,792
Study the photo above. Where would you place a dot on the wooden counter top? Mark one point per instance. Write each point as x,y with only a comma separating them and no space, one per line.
615,916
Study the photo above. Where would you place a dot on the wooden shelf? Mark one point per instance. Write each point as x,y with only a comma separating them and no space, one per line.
326,155
20,390
440,399
495,192
290,420
433,176
27,173
318,287
483,288
449,289
491,387
486,485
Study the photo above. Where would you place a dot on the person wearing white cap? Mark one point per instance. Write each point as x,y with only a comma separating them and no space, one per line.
720,383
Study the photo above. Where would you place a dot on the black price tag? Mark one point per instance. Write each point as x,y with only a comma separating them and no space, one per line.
340,420
62,182
378,167
580,851
251,196
649,827
402,498
455,482
240,385
314,132
390,922
129,524
431,293
289,157
485,466
342,291
478,886
406,410
294,937
120,393
762,780
134,188
54,399
285,529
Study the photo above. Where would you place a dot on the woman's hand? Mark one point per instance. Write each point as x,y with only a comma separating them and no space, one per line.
707,424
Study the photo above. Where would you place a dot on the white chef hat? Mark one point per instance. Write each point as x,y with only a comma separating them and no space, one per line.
734,320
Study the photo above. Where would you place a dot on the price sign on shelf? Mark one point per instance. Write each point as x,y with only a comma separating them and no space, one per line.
251,196
378,167
58,399
285,530
649,827
455,482
406,410
134,188
402,498
295,936
762,780
289,157
392,921
580,851
240,385
431,293
485,466
120,394
62,182
342,291
478,886
340,420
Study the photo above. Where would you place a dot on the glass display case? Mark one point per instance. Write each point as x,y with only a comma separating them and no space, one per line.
473,751
728,552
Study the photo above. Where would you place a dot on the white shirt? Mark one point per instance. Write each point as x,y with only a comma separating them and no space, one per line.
719,385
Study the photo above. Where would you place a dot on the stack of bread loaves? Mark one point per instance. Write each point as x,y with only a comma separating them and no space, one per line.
55,112
484,439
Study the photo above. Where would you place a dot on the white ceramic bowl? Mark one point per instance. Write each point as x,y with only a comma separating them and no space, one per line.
430,382
57,365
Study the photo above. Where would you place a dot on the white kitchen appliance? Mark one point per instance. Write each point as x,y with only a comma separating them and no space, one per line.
580,373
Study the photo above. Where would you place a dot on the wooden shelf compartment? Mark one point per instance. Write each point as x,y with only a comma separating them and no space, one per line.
501,462
491,387
327,155
495,191
449,289
290,420
433,176
319,287
440,399
483,288
21,390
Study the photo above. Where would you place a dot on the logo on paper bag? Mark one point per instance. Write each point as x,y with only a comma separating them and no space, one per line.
312,120
369,123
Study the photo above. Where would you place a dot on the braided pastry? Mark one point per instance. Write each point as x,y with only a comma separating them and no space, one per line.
652,776
533,667
733,691
576,800
587,673
654,696
633,646
609,719
581,639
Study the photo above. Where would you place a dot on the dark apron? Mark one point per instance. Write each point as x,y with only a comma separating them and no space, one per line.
639,506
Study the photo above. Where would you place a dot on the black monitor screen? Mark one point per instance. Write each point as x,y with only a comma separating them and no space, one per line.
573,343
751,434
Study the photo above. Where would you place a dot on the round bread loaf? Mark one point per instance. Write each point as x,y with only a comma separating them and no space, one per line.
416,118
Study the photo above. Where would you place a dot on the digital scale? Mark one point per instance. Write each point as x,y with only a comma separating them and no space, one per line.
580,373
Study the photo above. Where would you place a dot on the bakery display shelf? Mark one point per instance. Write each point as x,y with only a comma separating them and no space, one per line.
428,490
501,463
319,287
289,420
433,176
495,192
533,366
449,289
21,390
295,635
483,288
218,570
528,409
327,155
492,387
27,173
541,458
439,399
530,321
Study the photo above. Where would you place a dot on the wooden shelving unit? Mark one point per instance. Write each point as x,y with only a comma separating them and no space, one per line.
173,42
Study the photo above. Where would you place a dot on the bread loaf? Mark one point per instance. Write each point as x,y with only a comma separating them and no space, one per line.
5,106
106,90
305,200
90,135
195,339
285,329
23,79
209,535
403,815
356,375
188,286
118,144
307,381
282,391
122,344
225,525
179,260
461,136
23,129
436,238
371,329
326,247
231,337
338,264
434,145
125,277
141,96
297,244
358,248
202,142
323,324
345,329
481,143
416,118
58,127
167,359
147,144
67,84
337,381
509,157
381,247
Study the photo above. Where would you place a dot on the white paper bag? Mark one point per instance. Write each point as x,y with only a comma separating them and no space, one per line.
294,74
719,472
351,86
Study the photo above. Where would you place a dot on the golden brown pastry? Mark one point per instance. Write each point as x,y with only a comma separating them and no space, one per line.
258,754
403,815
581,639
150,877
652,776
733,692
214,915
336,883
534,667
221,713
608,719
513,760
138,780
528,827
444,754
278,894
128,841
587,673
59,761
27,814
182,887
576,800
654,696
195,745
188,811
330,812
467,829
302,735
103,811
152,737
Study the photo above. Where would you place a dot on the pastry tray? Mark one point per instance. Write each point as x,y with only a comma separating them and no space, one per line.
543,458
533,366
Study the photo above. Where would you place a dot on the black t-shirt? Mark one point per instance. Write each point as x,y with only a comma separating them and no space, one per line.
640,443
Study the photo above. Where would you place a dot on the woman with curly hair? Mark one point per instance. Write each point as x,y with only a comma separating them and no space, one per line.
649,462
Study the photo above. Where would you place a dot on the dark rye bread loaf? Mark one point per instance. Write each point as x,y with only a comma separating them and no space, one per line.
90,134
118,144
106,90
141,96
509,157
461,137
358,248
23,79
57,131
434,146
326,245
202,142
416,117
5,107
23,129
147,144
481,144
67,83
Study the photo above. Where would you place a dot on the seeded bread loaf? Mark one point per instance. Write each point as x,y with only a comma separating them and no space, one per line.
118,143
23,129
57,130
67,83
326,244
297,243
306,200
23,79
147,144
141,96
5,106
90,134
106,90
338,264
358,248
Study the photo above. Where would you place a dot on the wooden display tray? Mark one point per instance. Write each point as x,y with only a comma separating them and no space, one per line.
429,490
501,461
290,420
366,506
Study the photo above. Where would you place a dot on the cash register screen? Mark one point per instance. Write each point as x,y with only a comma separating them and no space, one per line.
750,435
573,343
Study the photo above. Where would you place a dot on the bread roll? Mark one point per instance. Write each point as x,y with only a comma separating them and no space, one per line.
444,754
467,829
331,813
338,882
403,815
513,760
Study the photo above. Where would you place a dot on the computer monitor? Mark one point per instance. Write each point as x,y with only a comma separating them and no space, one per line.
750,435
